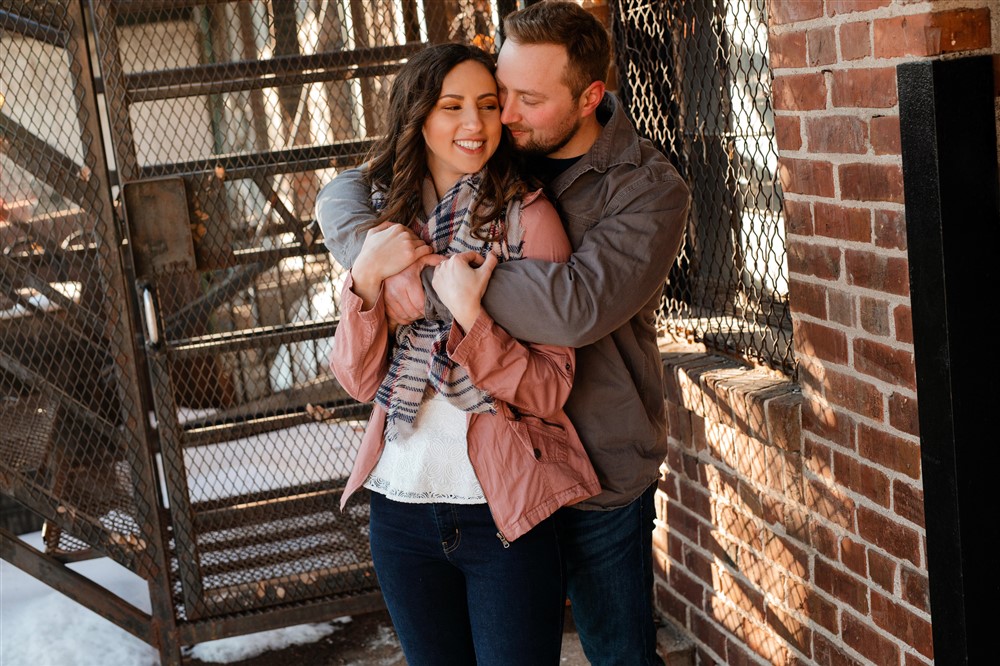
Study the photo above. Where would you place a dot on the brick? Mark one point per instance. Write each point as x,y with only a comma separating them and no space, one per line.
787,133
818,609
837,134
788,628
903,320
894,538
765,644
708,633
863,639
792,11
915,588
914,660
680,520
841,222
799,92
863,479
878,272
787,555
891,451
885,135
820,341
784,421
873,88
689,588
736,655
871,182
670,603
903,413
738,526
890,229
853,555
809,177
818,459
821,261
830,503
787,49
855,40
932,34
739,592
884,362
698,565
798,217
841,585
821,46
828,423
695,500
902,623
827,653
806,298
874,315
841,307
908,502
853,394
834,7
881,570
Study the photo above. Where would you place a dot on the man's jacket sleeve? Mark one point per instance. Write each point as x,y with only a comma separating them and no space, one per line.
344,210
620,264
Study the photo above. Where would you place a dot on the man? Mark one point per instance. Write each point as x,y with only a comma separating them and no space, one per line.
624,207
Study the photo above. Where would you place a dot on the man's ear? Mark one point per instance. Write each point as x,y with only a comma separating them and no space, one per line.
592,96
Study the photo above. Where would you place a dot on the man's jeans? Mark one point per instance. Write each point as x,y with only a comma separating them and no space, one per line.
459,595
609,575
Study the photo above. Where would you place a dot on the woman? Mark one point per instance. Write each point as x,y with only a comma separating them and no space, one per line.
467,452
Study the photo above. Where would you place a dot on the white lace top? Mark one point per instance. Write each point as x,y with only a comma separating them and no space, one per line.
432,464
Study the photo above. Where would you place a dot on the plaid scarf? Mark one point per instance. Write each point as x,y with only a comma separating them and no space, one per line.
420,357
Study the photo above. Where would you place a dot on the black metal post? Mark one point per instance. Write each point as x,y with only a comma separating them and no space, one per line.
949,146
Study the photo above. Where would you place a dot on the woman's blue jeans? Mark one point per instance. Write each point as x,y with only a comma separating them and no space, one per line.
457,594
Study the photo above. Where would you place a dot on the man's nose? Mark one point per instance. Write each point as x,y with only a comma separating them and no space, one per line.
509,113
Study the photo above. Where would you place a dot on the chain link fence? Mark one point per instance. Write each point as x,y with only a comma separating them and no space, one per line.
166,309
695,79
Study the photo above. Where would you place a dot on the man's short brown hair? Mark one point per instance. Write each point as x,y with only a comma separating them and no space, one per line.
569,25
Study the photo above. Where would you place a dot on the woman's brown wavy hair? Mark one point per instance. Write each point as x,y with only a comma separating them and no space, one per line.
397,163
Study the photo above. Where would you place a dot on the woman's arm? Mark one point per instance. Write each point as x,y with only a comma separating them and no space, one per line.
533,377
358,358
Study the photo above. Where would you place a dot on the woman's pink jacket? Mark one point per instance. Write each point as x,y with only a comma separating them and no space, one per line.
528,457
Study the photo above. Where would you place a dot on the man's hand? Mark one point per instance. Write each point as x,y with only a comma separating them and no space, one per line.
460,283
403,293
388,249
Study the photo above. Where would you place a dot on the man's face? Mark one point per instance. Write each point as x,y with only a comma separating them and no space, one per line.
539,109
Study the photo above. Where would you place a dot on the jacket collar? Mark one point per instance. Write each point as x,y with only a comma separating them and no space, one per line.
617,144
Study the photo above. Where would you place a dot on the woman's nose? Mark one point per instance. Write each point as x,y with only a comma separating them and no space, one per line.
471,119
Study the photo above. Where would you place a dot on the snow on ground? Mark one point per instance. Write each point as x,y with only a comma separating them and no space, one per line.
41,627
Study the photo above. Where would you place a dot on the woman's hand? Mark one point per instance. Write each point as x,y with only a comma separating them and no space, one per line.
460,283
388,249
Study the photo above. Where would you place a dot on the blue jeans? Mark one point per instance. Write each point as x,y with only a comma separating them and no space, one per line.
457,595
609,575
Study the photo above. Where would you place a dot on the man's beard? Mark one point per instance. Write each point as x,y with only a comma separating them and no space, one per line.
536,148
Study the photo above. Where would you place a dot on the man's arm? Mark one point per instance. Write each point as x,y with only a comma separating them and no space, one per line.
620,264
344,212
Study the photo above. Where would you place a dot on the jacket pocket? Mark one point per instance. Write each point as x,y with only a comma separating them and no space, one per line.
546,441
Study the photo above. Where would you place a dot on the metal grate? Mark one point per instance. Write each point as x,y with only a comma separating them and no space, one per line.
166,309
696,80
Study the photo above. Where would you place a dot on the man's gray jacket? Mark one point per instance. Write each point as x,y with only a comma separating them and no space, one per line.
625,208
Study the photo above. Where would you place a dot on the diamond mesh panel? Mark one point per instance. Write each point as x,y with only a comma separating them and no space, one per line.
227,118
71,436
696,80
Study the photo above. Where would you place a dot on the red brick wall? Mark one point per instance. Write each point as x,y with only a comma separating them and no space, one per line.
792,513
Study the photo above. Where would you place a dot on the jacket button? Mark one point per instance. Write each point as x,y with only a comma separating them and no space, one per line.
538,454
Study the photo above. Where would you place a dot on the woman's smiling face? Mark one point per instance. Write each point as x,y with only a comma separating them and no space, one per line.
463,130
